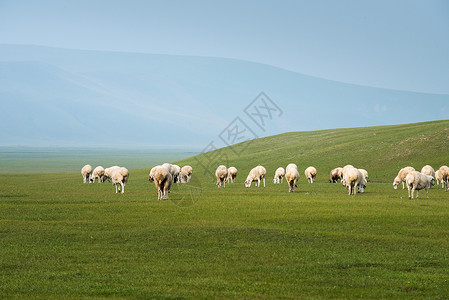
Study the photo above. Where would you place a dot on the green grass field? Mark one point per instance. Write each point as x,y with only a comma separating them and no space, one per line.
63,239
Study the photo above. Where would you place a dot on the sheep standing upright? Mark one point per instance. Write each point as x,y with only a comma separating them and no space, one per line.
258,173
162,179
86,171
354,180
232,174
279,175
418,181
292,176
310,173
119,179
444,173
221,173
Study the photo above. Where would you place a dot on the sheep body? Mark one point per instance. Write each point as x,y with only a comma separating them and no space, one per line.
185,174
221,173
310,173
162,179
292,176
279,175
98,173
119,178
444,173
290,166
108,173
364,173
258,173
401,177
232,174
335,175
173,169
428,170
86,171
417,181
353,179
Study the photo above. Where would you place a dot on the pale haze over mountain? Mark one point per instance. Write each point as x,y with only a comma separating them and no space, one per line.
91,98
224,72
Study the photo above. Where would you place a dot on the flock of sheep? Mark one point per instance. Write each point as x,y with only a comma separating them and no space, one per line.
352,178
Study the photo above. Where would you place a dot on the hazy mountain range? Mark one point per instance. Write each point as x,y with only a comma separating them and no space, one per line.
68,97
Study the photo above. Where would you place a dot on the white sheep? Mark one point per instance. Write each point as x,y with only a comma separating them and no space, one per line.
343,171
364,173
185,174
428,170
417,181
221,173
162,180
173,169
279,175
292,176
310,173
98,173
438,177
354,180
86,171
119,178
177,173
401,177
291,166
232,174
335,175
108,173
258,173
444,173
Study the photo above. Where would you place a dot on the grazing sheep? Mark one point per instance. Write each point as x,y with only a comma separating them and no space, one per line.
438,178
335,175
232,174
119,178
290,166
86,171
310,173
186,174
108,173
418,181
221,173
428,170
292,176
177,173
401,177
258,173
444,174
364,173
279,175
162,180
354,180
173,169
98,174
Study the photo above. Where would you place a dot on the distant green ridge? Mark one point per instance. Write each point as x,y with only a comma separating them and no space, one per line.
382,150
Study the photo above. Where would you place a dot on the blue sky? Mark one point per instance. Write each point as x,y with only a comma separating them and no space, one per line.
396,44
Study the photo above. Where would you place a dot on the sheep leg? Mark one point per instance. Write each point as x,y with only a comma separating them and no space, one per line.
403,185
413,191
409,188
264,182
417,194
123,187
427,193
116,188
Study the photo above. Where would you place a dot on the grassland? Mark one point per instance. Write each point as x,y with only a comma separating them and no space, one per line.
62,239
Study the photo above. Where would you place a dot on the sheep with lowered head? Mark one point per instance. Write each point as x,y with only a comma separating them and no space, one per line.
232,174
173,169
428,170
279,175
119,178
310,173
258,173
335,175
417,181
162,179
401,177
86,171
108,173
185,174
354,180
221,173
292,176
98,174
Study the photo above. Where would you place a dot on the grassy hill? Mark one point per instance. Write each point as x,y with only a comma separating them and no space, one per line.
381,150
63,239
